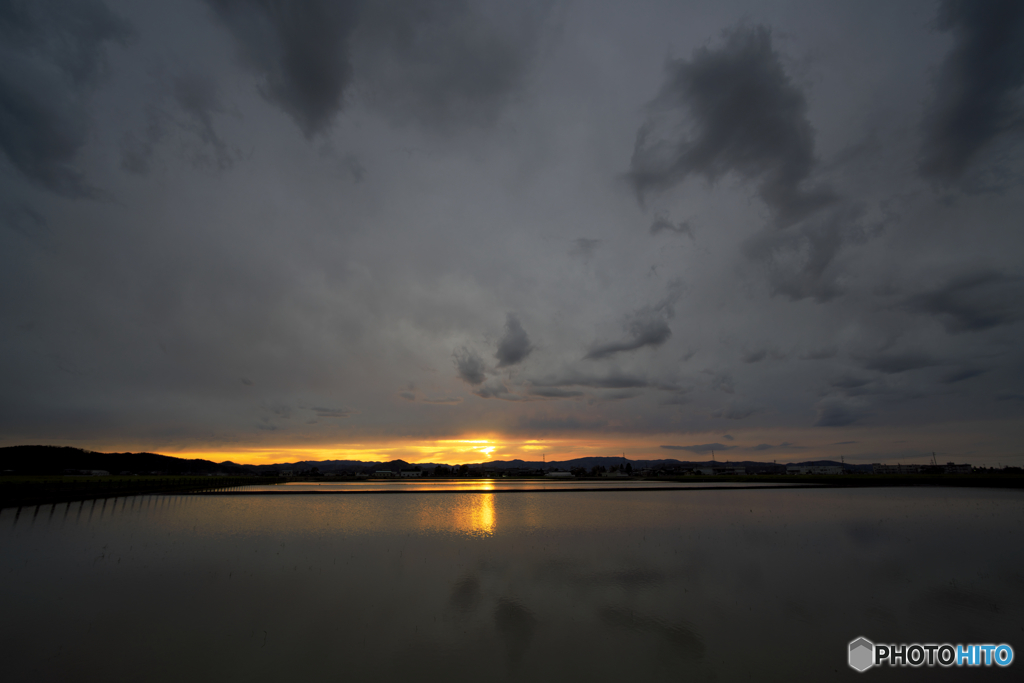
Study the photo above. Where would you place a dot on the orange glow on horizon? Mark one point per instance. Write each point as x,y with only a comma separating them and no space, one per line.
447,451
859,443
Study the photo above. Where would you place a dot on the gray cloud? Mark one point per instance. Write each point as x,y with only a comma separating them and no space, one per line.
137,150
849,382
646,327
742,114
823,353
51,56
962,375
584,248
444,400
977,91
613,380
331,412
973,301
514,345
700,448
300,50
735,411
197,97
801,261
837,412
446,64
651,331
469,365
894,363
663,224
495,388
554,392
552,423
755,356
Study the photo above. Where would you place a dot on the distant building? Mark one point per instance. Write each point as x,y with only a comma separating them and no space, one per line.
559,474
877,468
616,474
952,468
814,469
384,474
411,473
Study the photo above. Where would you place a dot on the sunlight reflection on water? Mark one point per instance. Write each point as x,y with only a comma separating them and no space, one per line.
661,585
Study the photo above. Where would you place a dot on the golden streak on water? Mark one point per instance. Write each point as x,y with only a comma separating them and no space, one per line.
477,517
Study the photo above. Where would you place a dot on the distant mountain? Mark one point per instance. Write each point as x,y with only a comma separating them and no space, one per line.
57,459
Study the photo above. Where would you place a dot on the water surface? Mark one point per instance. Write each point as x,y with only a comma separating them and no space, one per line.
758,584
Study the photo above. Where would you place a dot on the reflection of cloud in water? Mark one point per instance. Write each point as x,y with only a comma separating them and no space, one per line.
954,601
682,640
516,626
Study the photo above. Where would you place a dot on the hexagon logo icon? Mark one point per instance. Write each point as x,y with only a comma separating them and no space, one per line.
862,654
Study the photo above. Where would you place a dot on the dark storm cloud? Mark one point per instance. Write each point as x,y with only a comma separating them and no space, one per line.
22,218
663,224
755,356
894,363
137,149
495,388
643,331
977,91
800,261
973,301
514,345
444,401
300,50
446,63
734,411
331,412
962,374
849,382
440,63
584,247
837,412
469,365
51,56
554,392
646,327
611,381
742,114
700,448
197,97
823,353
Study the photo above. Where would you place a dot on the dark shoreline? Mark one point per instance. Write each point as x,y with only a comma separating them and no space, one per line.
29,492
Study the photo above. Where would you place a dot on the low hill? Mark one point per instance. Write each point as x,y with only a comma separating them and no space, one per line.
57,459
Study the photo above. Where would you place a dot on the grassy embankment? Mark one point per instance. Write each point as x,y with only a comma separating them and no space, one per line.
977,480
20,491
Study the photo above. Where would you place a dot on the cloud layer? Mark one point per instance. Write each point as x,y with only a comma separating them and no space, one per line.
264,225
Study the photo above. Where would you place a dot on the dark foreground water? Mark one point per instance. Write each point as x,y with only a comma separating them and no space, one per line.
757,584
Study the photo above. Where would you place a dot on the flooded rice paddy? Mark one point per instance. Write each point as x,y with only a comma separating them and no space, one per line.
710,585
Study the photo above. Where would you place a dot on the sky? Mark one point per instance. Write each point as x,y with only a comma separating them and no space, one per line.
447,231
